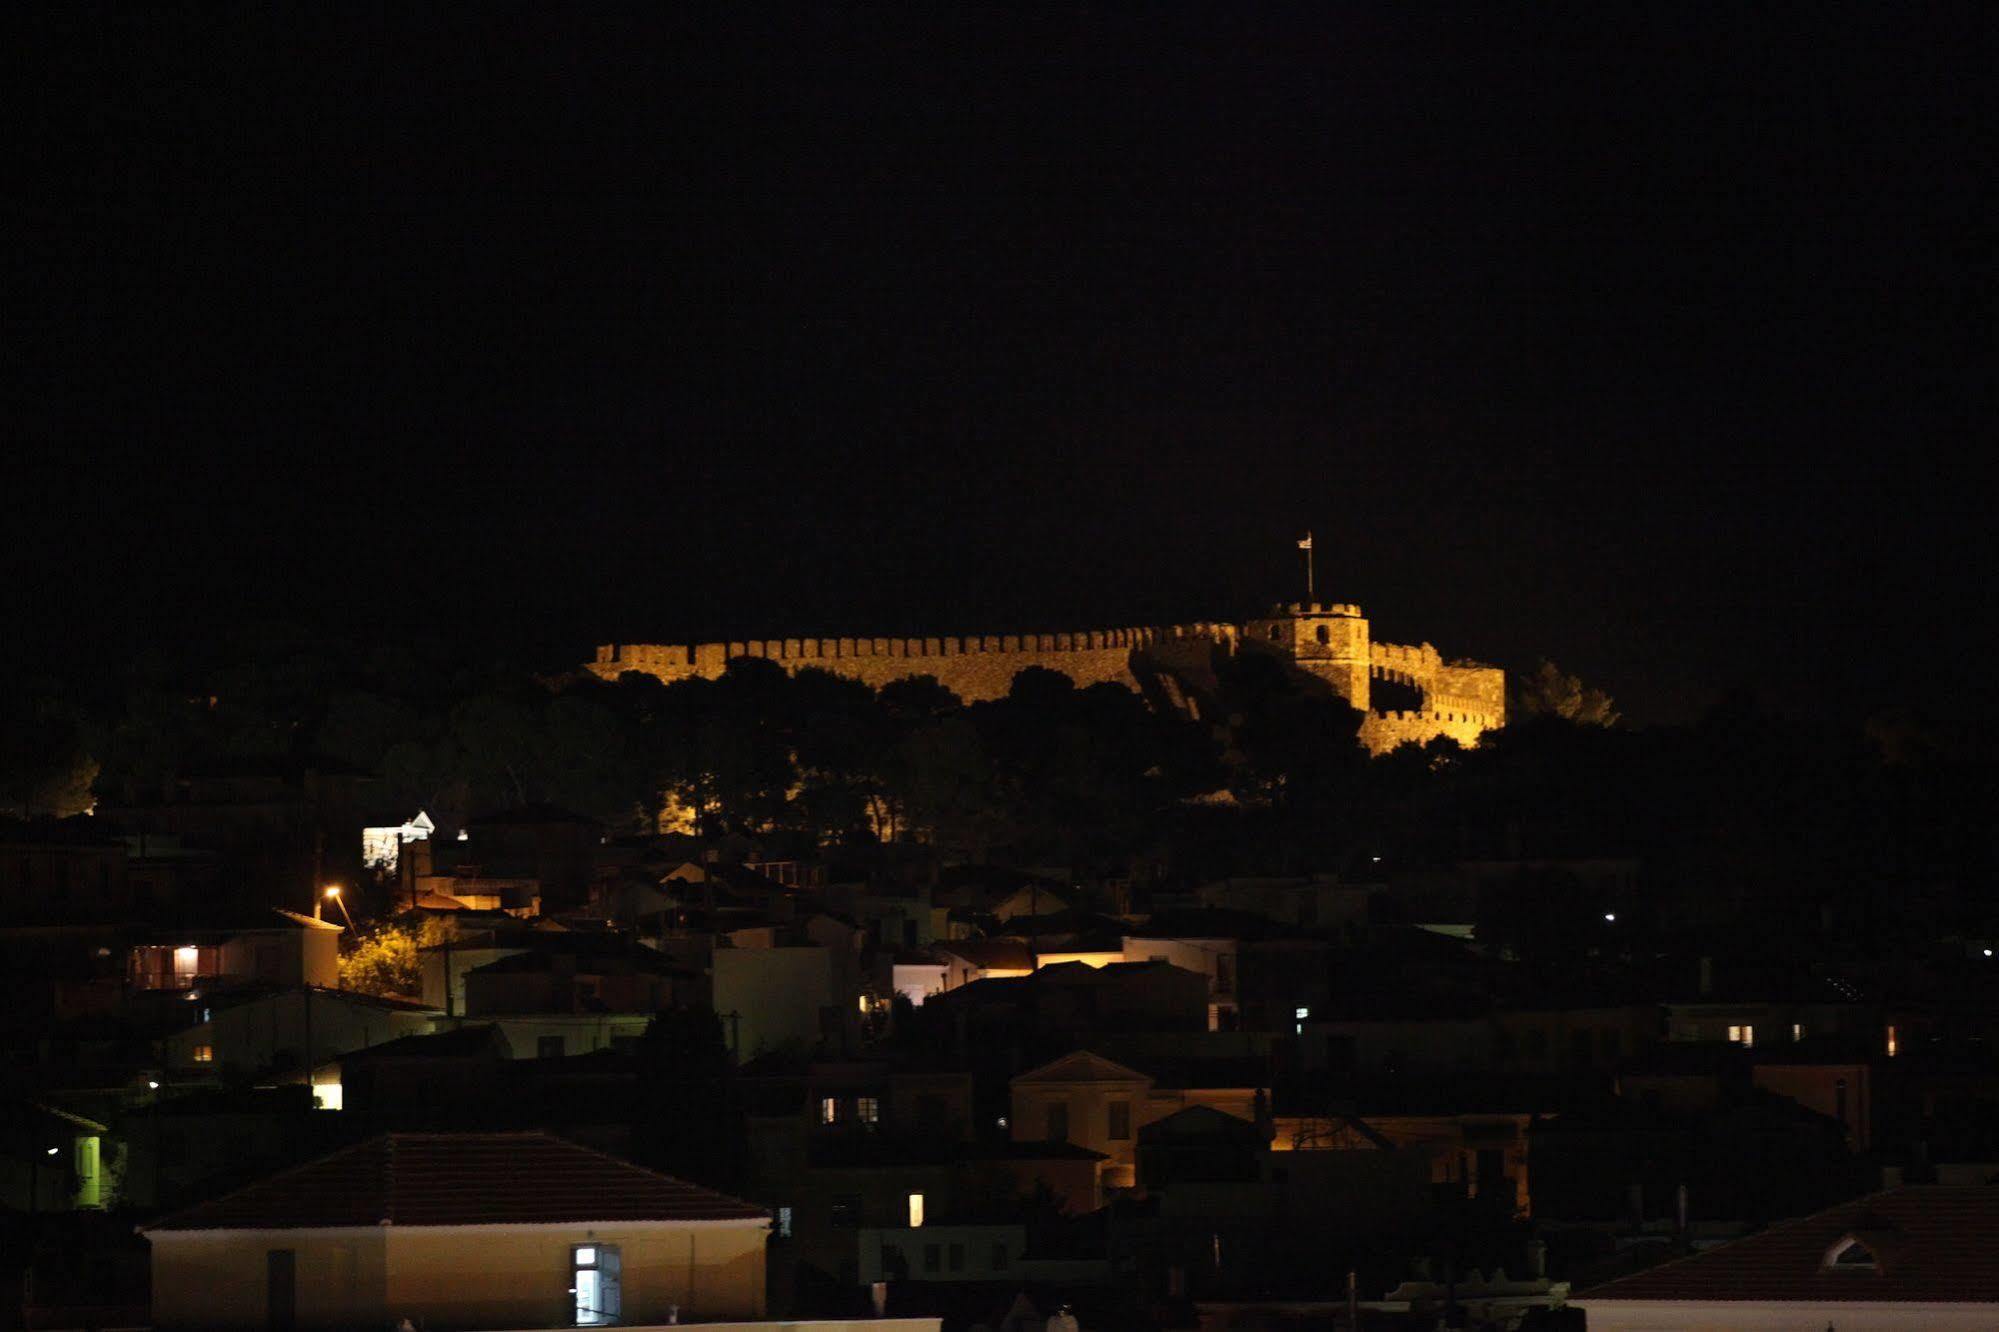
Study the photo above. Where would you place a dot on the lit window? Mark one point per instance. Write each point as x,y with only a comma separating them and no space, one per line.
327,1096
1744,1036
829,1109
1891,1039
594,1270
1797,1031
915,1211
186,960
868,1110
1299,1016
204,1054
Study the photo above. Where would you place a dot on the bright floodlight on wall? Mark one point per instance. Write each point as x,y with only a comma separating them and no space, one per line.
1610,916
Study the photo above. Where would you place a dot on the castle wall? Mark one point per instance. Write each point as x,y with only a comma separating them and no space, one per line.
1466,686
1461,699
975,668
1383,731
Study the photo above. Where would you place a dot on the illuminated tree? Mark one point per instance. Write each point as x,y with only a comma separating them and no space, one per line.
387,960
1547,692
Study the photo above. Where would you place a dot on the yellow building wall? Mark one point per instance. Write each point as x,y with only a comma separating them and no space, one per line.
216,1279
506,1278
477,1277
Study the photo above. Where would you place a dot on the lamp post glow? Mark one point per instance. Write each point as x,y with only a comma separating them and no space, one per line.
331,893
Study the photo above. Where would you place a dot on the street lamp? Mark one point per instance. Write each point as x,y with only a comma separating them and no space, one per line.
331,893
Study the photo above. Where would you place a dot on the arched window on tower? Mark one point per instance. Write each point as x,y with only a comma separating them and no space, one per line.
1324,635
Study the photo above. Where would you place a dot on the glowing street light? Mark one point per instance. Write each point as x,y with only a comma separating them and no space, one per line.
331,893
1610,916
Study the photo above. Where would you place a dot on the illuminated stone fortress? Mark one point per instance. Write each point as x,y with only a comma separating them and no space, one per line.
1172,664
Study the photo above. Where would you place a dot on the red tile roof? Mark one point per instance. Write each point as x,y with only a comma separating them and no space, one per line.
1936,1243
459,1179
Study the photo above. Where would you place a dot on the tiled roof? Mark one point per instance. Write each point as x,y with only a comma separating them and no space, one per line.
473,1039
1935,1244
991,954
459,1179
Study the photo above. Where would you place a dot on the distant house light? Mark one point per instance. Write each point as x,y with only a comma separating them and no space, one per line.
915,1211
1610,916
1797,1031
1744,1036
1298,1017
1891,1039
54,1150
204,1054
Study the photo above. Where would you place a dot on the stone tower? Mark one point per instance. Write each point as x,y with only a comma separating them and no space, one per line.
1329,641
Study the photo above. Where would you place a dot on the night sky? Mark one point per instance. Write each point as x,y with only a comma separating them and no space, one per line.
1660,344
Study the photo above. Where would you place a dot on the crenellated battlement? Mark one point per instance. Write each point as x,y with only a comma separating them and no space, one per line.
975,666
1328,640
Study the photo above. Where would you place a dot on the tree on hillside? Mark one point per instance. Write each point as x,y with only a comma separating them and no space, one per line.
387,960
1546,691
690,1120
46,769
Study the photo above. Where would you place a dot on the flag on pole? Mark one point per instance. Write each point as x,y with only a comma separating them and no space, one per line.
1305,542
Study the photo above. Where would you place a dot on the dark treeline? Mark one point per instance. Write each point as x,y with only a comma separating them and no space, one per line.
1743,822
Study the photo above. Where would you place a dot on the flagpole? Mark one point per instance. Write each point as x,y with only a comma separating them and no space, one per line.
1310,593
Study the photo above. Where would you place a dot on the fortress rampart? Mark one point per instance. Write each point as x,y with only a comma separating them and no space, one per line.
976,668
1459,699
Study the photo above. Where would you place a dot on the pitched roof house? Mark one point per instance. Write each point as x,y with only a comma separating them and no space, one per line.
491,1230
1921,1256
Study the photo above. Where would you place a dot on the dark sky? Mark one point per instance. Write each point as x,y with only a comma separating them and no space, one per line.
1658,342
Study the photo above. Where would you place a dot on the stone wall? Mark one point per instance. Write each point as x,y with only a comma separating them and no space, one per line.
1383,731
1460,699
976,668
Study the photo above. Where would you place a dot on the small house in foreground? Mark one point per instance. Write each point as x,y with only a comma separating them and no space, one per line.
460,1230
1923,1256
